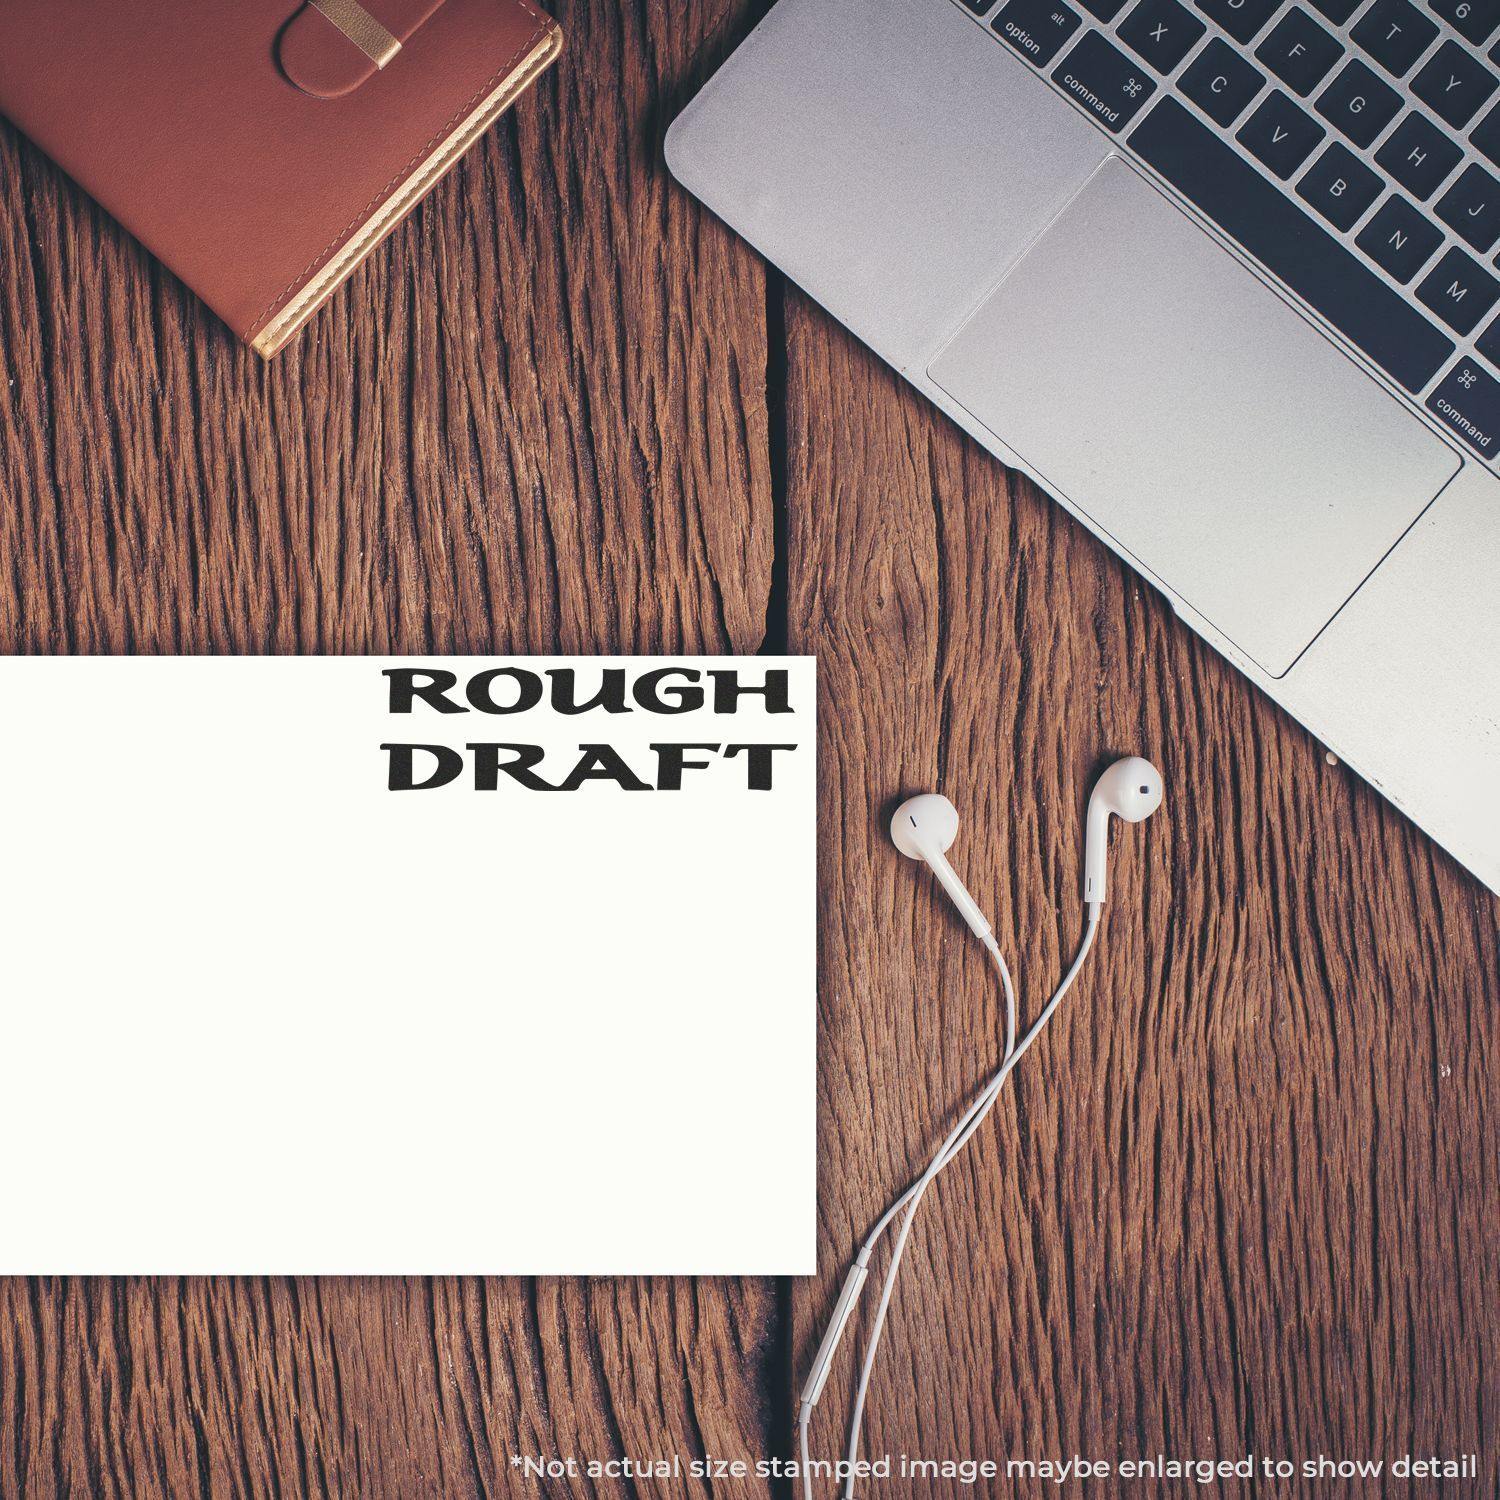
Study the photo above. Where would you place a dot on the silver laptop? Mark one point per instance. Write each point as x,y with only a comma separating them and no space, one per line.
1220,276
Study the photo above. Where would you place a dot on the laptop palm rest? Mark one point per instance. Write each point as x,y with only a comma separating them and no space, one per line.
1175,400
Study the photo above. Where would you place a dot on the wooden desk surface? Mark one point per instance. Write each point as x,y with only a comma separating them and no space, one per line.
1243,1196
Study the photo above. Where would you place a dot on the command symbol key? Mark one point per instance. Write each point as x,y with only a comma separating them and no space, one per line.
1468,400
1104,81
1036,28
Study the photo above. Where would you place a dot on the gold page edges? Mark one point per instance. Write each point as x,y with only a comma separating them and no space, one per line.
322,284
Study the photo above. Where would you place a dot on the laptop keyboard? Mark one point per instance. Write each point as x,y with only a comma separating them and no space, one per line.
1351,147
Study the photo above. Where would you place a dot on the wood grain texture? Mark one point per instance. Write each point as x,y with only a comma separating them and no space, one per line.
478,447
1241,1196
535,421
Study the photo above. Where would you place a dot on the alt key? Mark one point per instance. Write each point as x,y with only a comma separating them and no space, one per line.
1036,28
1468,400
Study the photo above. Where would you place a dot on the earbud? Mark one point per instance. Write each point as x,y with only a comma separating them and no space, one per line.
924,828
1129,789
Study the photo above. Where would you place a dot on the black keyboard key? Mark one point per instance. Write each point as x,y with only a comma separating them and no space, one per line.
1486,135
1037,29
1488,343
1104,81
1337,11
1240,18
1340,186
1299,52
1162,32
1473,20
1220,82
1454,84
1471,208
1468,400
1279,134
1394,33
1418,155
1104,10
1398,239
979,6
1290,244
1459,291
1359,103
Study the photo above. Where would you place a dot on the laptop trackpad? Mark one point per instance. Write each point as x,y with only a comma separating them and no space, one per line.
1183,406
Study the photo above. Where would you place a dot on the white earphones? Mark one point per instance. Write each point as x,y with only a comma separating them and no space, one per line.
1131,790
925,827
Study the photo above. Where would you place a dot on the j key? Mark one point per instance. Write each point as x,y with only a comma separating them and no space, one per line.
1418,155
1471,208
1459,291
1290,244
1298,51
1220,82
1453,84
1241,20
1394,34
1337,11
1162,32
1473,20
1280,135
1340,186
1398,239
1359,103
1488,343
1037,29
1468,400
1104,81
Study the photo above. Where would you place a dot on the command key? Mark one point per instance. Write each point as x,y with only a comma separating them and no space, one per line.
1104,81
1468,400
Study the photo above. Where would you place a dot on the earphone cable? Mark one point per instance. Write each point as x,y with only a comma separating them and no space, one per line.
1008,988
956,1140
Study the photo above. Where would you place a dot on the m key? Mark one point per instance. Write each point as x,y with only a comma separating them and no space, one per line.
1459,291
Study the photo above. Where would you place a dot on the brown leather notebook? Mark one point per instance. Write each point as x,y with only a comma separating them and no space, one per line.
262,148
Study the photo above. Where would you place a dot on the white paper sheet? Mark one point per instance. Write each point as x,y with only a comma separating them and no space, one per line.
259,1013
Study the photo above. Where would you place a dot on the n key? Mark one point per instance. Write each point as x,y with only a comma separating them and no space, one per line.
1399,239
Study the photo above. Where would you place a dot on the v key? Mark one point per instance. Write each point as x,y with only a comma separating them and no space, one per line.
1280,134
